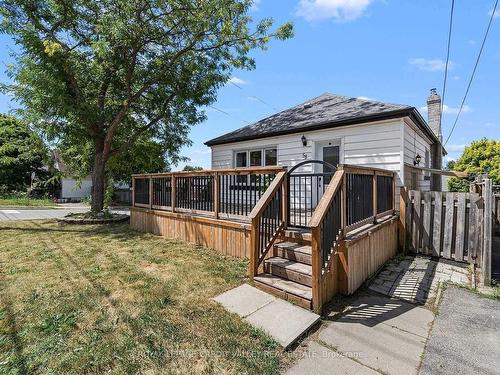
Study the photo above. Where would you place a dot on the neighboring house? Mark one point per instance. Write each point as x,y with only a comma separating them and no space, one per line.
339,129
71,188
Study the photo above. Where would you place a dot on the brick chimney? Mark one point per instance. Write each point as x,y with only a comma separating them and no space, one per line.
434,113
434,121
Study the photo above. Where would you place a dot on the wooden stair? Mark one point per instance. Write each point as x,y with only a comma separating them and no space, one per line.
288,272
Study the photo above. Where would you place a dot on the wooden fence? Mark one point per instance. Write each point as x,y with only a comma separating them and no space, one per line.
450,225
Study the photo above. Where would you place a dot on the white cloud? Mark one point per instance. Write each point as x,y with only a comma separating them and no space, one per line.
496,15
237,81
449,158
365,98
449,110
490,125
430,65
455,148
340,10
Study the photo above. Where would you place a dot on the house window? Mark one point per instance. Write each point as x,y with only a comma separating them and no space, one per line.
256,158
271,156
241,159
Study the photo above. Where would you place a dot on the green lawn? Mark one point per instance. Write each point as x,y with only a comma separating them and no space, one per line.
106,299
25,202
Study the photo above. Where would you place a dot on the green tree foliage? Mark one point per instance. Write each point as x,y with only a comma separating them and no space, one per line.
481,157
191,168
21,153
107,73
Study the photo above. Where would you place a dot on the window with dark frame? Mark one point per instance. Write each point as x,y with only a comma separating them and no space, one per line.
254,158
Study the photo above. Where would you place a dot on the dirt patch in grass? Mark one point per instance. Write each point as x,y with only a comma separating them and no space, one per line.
95,299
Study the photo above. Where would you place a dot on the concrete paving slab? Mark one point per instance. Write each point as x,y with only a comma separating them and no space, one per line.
381,346
283,321
244,300
371,310
319,360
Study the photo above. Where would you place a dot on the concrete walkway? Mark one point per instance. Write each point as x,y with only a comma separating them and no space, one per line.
465,338
375,334
42,213
280,319
416,279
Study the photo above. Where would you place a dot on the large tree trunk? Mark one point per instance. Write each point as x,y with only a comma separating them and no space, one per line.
98,179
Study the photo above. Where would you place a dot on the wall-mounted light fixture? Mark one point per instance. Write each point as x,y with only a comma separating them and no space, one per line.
416,160
304,140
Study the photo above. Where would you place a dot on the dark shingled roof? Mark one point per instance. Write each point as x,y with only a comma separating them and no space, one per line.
325,111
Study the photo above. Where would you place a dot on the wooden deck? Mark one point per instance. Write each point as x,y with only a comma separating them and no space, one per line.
245,213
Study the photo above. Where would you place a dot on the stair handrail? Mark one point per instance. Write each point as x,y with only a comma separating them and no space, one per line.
315,223
257,251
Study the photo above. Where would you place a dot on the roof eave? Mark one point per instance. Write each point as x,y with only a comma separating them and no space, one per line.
329,124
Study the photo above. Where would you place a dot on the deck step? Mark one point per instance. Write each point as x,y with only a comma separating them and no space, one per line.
285,289
290,270
294,251
302,236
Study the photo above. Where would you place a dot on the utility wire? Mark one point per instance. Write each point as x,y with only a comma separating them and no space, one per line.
473,71
228,114
255,97
447,58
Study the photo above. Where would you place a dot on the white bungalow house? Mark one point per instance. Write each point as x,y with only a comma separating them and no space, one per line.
339,129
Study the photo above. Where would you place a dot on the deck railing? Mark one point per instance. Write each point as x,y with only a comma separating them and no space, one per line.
223,193
268,220
369,194
356,196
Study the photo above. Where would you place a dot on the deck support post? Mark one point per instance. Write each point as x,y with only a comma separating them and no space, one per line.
403,202
254,248
374,183
317,302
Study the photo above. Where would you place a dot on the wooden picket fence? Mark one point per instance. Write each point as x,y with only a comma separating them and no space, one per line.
443,224
450,225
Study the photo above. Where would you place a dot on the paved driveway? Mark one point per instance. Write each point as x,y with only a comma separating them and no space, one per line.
465,338
45,213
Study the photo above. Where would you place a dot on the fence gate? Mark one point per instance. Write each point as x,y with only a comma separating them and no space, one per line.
444,224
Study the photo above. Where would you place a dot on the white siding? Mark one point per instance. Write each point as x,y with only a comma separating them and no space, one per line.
71,188
376,144
415,142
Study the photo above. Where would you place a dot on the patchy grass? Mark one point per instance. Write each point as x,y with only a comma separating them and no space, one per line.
96,299
13,201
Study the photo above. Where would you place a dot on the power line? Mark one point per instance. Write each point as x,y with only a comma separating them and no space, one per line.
255,97
447,57
473,71
263,102
228,114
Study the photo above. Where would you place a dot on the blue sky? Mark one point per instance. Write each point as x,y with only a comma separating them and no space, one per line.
388,50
